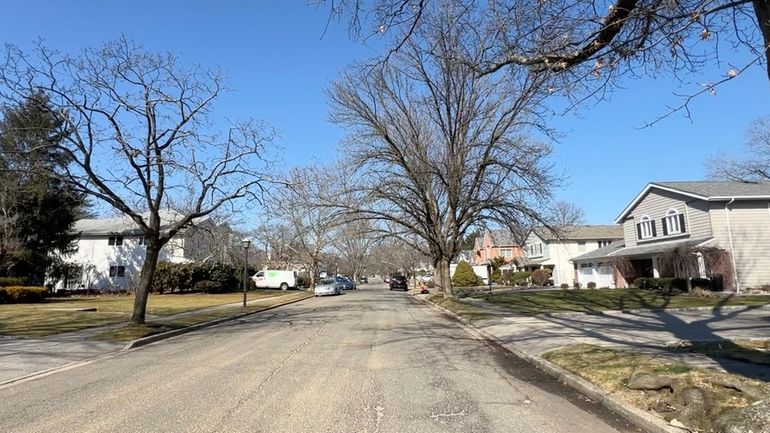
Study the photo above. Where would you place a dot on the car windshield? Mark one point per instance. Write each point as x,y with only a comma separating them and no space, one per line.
399,278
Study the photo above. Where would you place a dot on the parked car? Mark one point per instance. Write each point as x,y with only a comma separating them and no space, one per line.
327,286
386,280
275,279
399,282
345,283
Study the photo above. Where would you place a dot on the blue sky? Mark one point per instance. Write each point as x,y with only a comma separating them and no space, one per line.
278,65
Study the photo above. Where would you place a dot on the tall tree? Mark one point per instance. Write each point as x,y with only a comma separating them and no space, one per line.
585,37
754,165
567,214
437,149
141,138
37,208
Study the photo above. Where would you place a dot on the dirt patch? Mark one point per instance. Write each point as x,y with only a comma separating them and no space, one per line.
701,399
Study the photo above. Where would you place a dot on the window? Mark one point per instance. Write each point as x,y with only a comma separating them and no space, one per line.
118,271
540,245
115,240
673,223
581,245
603,243
142,240
506,252
646,228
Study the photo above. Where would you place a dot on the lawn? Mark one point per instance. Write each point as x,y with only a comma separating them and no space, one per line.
132,332
464,309
553,301
700,398
56,316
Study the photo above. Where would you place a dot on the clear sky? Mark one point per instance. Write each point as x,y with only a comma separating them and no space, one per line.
279,64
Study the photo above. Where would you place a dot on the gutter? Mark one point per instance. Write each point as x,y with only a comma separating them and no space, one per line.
732,248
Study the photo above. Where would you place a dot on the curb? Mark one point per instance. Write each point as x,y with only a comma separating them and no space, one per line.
638,417
139,342
654,310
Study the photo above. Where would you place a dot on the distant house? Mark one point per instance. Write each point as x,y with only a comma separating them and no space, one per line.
111,251
554,250
495,243
733,217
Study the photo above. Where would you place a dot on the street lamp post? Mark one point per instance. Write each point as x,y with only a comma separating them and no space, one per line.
245,243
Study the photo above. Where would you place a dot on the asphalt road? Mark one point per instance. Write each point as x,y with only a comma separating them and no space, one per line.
367,361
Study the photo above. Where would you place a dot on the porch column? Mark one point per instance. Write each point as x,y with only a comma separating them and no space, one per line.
655,271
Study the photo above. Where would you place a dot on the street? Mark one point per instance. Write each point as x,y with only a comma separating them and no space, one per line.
366,361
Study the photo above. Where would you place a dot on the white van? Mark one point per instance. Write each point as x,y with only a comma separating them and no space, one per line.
273,279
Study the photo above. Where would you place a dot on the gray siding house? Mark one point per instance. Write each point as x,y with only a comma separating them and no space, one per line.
664,216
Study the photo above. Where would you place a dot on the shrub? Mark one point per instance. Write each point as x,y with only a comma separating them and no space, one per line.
576,285
464,275
591,285
22,294
520,278
564,286
208,286
702,283
540,277
662,284
497,276
13,281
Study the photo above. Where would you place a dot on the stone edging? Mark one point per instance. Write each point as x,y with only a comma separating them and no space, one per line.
654,310
173,333
638,417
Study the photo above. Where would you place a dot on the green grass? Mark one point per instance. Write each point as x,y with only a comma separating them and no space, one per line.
40,320
553,301
132,331
464,309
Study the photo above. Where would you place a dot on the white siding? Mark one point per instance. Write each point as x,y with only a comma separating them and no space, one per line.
655,205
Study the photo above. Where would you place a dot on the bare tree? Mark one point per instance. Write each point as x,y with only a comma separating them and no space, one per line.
438,149
567,214
311,222
755,165
276,239
588,42
140,136
354,241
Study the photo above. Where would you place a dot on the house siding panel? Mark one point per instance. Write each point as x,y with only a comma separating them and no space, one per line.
750,226
656,204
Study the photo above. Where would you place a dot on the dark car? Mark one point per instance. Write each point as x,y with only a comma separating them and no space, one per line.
398,282
345,283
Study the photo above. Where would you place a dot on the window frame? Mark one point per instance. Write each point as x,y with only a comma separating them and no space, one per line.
115,241
672,220
645,228
117,271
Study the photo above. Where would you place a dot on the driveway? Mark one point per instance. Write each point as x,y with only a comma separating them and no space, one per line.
367,361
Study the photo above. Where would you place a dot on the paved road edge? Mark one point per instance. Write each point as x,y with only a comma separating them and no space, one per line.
643,420
173,333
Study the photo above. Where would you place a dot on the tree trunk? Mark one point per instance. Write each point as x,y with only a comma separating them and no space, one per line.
145,281
444,278
762,10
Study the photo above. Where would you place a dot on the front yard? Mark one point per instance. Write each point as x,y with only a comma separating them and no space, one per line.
55,316
556,301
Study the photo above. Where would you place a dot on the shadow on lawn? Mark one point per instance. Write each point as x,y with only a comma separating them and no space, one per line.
625,329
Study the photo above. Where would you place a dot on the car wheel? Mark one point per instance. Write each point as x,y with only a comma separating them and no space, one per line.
284,286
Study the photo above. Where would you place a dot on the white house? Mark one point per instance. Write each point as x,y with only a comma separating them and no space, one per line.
111,251
546,249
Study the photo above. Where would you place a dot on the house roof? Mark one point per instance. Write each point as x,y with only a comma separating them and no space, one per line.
123,224
582,232
502,237
600,253
619,249
705,190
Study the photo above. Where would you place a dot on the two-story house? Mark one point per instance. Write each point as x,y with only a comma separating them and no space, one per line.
553,249
728,216
496,243
111,251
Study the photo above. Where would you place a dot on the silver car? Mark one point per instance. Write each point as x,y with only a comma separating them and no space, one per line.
327,286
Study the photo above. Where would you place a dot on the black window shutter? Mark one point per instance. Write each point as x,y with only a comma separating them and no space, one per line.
639,231
681,223
654,232
663,224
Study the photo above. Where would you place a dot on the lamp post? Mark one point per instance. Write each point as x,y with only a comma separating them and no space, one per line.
245,243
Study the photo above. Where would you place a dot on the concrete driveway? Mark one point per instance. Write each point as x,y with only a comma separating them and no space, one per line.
367,361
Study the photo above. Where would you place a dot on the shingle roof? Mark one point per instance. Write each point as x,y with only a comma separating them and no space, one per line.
502,237
714,189
600,253
659,247
586,232
122,225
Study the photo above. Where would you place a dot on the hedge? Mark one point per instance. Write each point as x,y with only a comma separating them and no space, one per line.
665,284
520,277
12,281
22,294
206,277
